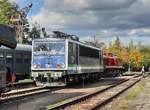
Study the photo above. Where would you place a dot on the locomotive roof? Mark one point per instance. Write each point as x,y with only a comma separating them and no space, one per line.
83,44
22,47
57,39
48,39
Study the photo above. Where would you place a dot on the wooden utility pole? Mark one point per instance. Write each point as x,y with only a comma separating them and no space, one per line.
17,20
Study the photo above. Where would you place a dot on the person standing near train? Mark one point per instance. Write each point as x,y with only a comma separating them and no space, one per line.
143,71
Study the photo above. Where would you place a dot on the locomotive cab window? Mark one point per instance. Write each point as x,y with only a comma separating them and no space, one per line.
72,55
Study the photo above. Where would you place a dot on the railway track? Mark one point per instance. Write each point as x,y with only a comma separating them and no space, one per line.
21,85
28,93
22,93
97,99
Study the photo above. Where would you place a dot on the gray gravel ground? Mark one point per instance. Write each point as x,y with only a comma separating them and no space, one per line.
143,100
36,103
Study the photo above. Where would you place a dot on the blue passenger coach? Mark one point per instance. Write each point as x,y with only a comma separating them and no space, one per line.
56,62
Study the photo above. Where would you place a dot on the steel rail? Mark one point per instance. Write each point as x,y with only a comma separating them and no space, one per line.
83,98
22,94
103,103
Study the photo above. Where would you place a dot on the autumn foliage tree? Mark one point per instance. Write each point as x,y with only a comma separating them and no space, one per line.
115,47
136,58
5,8
145,50
127,54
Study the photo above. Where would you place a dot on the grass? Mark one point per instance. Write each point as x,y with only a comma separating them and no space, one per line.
25,81
131,96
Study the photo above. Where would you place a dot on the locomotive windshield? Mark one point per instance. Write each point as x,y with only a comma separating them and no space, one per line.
48,55
51,48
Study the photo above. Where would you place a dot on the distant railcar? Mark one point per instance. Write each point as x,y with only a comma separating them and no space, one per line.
17,61
56,62
113,65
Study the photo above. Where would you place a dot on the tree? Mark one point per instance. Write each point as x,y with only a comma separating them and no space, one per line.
33,33
128,54
136,58
124,55
5,8
115,47
95,42
145,51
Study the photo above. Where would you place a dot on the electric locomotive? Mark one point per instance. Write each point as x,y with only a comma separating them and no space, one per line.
56,62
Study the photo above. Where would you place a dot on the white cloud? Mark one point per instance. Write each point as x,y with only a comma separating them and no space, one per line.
126,18
52,19
49,19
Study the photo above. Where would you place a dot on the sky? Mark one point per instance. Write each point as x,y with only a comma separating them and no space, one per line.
105,19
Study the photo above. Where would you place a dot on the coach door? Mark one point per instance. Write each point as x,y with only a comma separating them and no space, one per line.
9,62
2,72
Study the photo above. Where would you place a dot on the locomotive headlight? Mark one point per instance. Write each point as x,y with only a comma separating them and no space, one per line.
34,74
63,65
59,65
36,66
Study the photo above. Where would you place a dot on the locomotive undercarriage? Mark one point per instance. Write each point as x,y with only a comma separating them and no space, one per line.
49,78
113,72
63,79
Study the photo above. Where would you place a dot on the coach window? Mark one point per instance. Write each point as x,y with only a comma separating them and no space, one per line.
100,58
9,57
2,62
88,52
1,55
18,57
27,58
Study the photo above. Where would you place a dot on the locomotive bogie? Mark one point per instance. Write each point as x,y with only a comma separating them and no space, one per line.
49,78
